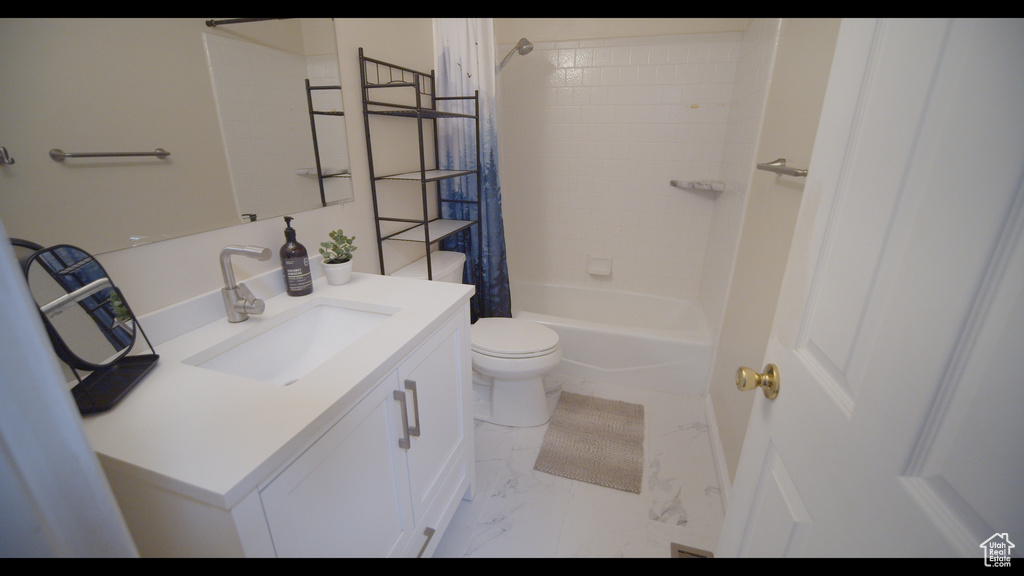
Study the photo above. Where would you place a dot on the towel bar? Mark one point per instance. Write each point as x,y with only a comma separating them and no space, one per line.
59,155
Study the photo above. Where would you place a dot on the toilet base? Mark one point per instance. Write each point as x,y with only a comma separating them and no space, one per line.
510,402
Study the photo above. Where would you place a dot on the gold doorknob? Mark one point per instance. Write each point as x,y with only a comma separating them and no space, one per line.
768,381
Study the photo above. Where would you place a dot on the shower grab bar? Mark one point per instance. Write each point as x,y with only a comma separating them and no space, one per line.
779,167
59,155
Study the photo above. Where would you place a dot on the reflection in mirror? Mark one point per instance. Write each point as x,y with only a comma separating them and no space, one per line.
81,305
89,323
87,85
264,110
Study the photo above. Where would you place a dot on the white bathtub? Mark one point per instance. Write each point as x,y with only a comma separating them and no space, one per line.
622,338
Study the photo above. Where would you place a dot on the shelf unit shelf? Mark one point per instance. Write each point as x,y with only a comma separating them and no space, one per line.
437,229
414,97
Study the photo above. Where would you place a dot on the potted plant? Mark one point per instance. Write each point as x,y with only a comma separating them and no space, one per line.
337,255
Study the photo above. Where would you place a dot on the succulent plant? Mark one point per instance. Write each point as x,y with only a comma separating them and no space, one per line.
339,249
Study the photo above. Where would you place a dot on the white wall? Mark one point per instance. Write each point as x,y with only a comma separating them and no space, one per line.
798,78
738,160
592,131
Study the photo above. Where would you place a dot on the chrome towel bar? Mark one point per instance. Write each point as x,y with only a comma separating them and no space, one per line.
779,167
59,155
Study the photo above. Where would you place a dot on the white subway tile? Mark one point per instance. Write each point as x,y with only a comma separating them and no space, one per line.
601,126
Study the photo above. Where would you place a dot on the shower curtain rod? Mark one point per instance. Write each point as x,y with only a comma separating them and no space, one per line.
215,23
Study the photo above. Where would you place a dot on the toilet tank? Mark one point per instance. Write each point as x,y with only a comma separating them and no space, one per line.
446,266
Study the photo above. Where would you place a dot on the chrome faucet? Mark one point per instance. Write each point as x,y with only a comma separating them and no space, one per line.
238,299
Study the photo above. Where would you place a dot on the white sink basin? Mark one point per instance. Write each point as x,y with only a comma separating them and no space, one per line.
287,347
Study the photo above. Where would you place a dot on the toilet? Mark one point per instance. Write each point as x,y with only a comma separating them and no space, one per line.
510,356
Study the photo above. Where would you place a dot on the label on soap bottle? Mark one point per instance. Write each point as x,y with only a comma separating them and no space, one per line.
298,281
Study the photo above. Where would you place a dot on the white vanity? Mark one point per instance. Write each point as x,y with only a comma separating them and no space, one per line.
366,451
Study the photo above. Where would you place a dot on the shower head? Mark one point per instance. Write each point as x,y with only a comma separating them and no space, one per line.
523,47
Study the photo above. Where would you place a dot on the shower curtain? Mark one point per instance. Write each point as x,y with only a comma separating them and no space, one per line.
464,52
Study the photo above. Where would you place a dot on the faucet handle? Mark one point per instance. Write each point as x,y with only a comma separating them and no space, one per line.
240,303
247,303
254,306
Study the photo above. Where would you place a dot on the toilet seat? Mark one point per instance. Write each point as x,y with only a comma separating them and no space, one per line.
512,338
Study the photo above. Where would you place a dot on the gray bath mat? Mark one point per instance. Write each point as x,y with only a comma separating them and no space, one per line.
595,440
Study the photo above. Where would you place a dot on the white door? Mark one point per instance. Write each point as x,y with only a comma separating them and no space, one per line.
898,424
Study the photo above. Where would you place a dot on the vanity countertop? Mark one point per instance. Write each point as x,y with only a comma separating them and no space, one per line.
215,437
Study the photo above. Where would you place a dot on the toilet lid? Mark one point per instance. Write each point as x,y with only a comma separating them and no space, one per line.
512,338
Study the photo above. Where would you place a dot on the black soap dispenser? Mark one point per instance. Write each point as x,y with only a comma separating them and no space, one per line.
295,264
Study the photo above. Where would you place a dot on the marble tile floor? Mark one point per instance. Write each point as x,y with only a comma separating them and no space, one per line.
518,512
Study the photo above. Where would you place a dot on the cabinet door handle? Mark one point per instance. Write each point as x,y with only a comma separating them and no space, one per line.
403,442
429,533
411,386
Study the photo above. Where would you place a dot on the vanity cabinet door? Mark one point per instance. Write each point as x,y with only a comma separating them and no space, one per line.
435,373
347,495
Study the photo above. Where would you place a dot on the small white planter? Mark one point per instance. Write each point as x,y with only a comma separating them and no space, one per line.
338,274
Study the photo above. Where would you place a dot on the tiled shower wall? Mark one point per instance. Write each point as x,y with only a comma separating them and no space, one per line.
591,133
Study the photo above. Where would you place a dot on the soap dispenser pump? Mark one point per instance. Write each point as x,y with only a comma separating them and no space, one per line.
295,264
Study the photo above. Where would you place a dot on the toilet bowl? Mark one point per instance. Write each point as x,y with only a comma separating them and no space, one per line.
510,356
510,359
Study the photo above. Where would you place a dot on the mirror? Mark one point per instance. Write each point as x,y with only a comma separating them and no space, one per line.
81,306
89,323
229,103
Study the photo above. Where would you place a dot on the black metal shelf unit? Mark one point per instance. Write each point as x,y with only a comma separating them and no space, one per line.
313,113
416,100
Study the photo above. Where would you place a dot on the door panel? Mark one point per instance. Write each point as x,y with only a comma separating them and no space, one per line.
902,308
780,520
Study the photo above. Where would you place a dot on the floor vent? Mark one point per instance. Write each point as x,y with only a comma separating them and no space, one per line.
680,551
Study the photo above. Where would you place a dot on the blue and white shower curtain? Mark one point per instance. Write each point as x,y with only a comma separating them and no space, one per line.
464,52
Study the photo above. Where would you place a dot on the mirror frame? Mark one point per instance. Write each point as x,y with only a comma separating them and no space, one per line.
60,345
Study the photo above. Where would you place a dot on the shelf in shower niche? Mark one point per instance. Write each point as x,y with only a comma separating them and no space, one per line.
699,185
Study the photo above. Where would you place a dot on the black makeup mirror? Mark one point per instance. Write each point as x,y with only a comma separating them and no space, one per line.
89,323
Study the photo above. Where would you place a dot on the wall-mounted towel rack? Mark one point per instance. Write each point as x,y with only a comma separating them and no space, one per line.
779,167
59,155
